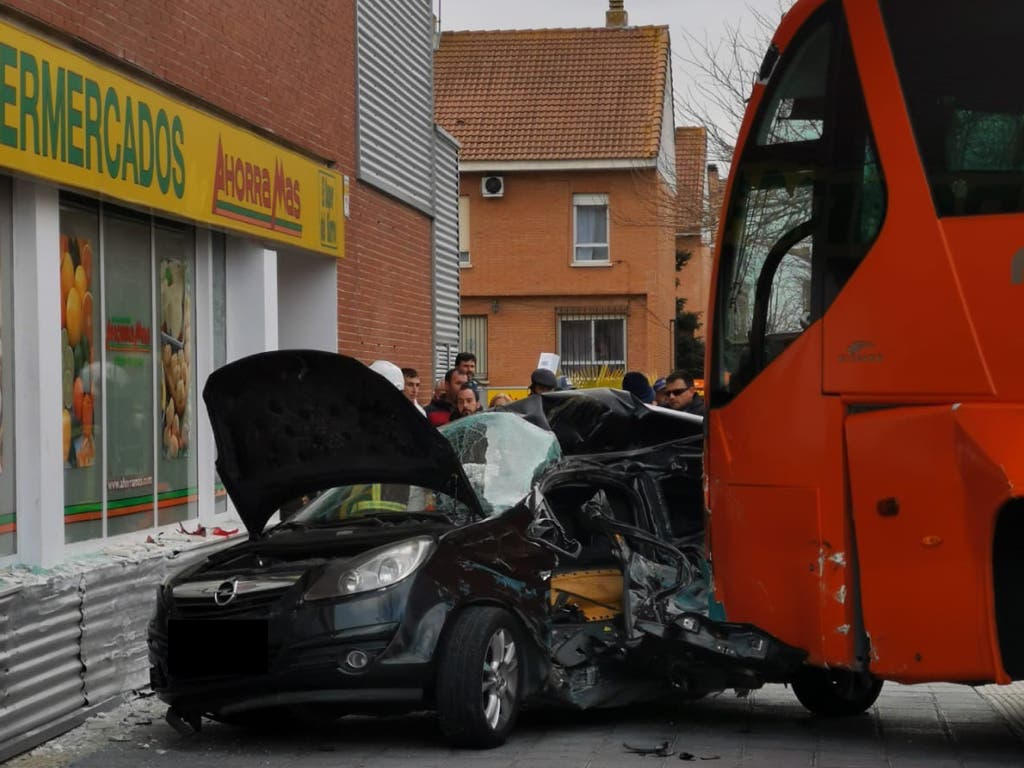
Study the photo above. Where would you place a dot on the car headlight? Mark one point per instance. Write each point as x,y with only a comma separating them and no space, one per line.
375,569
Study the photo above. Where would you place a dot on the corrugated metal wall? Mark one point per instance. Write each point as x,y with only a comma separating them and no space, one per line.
41,672
395,98
446,251
72,643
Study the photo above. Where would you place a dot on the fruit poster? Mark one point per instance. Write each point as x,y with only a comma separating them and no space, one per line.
175,357
77,350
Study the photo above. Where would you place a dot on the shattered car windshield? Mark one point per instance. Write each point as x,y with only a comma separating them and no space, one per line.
379,501
502,455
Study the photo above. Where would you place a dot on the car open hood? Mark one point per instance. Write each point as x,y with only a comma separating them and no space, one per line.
601,420
292,422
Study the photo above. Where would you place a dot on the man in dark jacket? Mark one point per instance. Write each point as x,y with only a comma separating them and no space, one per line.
680,394
442,409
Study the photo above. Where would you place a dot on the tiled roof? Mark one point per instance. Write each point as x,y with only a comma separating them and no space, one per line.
691,157
553,94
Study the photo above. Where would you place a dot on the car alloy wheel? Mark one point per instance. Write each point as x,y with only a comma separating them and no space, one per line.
500,678
480,678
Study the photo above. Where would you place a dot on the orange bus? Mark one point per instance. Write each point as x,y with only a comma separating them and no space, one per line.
865,371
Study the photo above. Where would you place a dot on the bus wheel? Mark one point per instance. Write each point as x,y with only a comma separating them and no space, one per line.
835,692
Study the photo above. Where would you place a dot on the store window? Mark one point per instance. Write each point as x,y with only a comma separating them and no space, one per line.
590,227
129,393
8,511
220,340
177,466
82,356
592,346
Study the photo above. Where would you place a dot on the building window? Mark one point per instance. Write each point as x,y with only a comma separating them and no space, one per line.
590,229
127,287
464,231
592,346
474,339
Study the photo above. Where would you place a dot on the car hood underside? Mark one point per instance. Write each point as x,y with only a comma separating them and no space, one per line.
289,423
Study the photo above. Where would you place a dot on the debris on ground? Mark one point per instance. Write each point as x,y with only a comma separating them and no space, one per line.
660,750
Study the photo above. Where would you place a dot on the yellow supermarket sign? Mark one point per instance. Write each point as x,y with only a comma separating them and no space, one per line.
66,120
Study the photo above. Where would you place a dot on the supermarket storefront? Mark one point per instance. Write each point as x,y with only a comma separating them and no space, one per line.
140,240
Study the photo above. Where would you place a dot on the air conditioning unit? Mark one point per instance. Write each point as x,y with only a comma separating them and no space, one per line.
492,186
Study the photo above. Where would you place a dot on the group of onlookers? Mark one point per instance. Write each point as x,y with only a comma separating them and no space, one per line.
675,391
457,395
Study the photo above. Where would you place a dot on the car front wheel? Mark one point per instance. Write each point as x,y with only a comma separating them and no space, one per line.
836,692
480,679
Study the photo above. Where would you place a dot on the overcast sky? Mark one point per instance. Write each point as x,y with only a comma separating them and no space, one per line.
700,17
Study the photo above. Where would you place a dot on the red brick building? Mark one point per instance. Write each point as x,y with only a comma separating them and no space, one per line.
217,179
693,219
568,186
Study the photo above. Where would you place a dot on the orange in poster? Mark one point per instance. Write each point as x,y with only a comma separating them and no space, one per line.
67,432
67,276
87,318
85,259
74,318
76,400
86,415
81,281
63,245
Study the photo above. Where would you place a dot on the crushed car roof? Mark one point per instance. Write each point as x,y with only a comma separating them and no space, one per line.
602,420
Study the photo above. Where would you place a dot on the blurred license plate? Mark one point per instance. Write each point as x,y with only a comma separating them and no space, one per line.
206,648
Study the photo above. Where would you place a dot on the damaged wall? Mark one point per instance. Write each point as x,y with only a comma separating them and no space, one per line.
73,643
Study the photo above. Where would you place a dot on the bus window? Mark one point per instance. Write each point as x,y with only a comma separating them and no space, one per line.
967,116
808,202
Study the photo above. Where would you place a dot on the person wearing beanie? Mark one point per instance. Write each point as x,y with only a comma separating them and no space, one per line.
660,392
636,383
543,380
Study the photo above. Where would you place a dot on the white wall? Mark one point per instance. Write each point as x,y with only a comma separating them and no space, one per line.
251,280
307,302
38,467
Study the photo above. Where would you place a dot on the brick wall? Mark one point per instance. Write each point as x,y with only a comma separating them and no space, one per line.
521,253
286,69
384,297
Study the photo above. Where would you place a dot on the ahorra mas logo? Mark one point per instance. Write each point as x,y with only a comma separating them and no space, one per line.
248,191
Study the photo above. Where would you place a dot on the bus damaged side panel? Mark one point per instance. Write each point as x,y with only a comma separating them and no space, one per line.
928,485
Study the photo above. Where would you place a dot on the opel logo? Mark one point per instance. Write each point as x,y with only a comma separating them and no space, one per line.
225,593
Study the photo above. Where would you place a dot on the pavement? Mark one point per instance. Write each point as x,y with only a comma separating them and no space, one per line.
935,725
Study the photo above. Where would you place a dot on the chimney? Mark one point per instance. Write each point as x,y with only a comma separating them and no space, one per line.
616,15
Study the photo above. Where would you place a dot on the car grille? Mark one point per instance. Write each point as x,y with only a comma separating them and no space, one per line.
232,597
256,604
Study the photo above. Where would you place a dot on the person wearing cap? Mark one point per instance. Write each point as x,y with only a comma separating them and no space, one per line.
660,392
543,380
636,383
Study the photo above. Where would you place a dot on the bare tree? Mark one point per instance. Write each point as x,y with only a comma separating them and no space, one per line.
722,75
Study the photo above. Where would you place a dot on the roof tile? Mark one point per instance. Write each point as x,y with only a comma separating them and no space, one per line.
553,94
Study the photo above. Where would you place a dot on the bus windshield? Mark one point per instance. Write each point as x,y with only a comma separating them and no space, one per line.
956,63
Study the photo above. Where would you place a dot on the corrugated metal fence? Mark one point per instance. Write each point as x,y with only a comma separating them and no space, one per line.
71,644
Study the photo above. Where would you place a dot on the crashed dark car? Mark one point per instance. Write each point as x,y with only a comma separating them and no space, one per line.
548,555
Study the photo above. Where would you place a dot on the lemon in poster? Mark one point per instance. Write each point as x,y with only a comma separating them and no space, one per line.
77,308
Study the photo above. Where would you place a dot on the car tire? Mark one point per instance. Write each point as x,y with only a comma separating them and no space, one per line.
480,678
835,692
